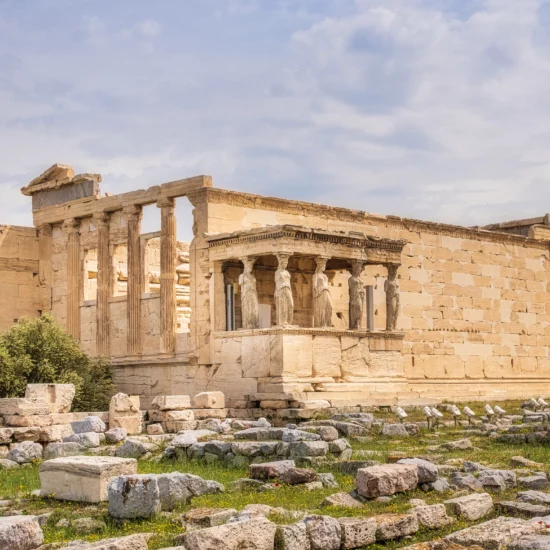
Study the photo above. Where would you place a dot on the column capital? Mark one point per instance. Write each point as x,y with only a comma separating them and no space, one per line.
283,256
357,267
102,217
249,260
72,225
132,210
321,261
45,230
166,202
392,269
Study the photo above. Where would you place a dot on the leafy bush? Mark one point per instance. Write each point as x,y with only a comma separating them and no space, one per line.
38,350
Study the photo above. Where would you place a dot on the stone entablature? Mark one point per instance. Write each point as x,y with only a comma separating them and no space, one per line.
302,240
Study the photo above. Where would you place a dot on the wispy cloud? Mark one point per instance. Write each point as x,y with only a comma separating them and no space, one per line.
435,109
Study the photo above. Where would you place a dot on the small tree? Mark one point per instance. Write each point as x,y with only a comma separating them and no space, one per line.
38,350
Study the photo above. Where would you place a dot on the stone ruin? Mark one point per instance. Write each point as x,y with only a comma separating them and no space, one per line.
276,302
291,455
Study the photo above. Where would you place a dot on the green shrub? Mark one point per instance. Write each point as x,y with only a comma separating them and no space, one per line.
38,350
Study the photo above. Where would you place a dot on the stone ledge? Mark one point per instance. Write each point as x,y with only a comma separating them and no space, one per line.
312,331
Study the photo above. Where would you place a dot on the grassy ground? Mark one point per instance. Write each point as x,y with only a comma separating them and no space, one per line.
19,484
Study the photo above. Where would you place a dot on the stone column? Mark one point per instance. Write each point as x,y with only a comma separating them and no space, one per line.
104,281
72,227
167,275
391,286
133,215
250,310
356,295
322,301
45,266
284,302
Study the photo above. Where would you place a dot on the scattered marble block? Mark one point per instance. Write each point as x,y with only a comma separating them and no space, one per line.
20,533
58,396
124,413
83,478
209,400
171,402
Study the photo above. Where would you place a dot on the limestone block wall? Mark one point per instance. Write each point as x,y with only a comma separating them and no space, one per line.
474,304
19,275
341,365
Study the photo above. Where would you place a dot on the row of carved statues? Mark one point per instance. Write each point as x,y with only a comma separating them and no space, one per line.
322,301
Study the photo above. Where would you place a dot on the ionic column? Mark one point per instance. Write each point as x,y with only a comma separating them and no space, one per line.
72,226
133,215
101,220
167,275
45,266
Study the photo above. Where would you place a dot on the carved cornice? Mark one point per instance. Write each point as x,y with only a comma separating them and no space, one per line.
311,331
355,240
55,177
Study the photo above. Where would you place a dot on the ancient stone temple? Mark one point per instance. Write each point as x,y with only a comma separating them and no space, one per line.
282,299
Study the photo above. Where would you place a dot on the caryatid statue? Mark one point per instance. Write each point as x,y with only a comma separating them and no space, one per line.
284,303
391,287
356,295
249,294
322,302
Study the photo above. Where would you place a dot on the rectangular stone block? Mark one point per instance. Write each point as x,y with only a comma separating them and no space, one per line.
386,479
58,396
209,400
171,402
83,478
23,406
132,424
185,416
55,433
175,426
26,421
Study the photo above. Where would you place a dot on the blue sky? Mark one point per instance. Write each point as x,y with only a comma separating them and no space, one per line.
432,109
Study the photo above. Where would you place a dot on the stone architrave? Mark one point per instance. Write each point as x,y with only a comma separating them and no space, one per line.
249,294
356,295
322,301
284,303
391,287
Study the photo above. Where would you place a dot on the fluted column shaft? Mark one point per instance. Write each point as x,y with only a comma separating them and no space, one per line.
45,266
72,227
167,275
135,275
103,283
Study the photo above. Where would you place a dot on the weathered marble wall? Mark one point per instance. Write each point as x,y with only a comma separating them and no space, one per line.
19,275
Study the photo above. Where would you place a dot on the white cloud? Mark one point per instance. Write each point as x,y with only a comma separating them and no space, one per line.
435,109
149,27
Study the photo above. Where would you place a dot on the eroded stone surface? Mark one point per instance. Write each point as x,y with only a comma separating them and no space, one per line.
386,479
